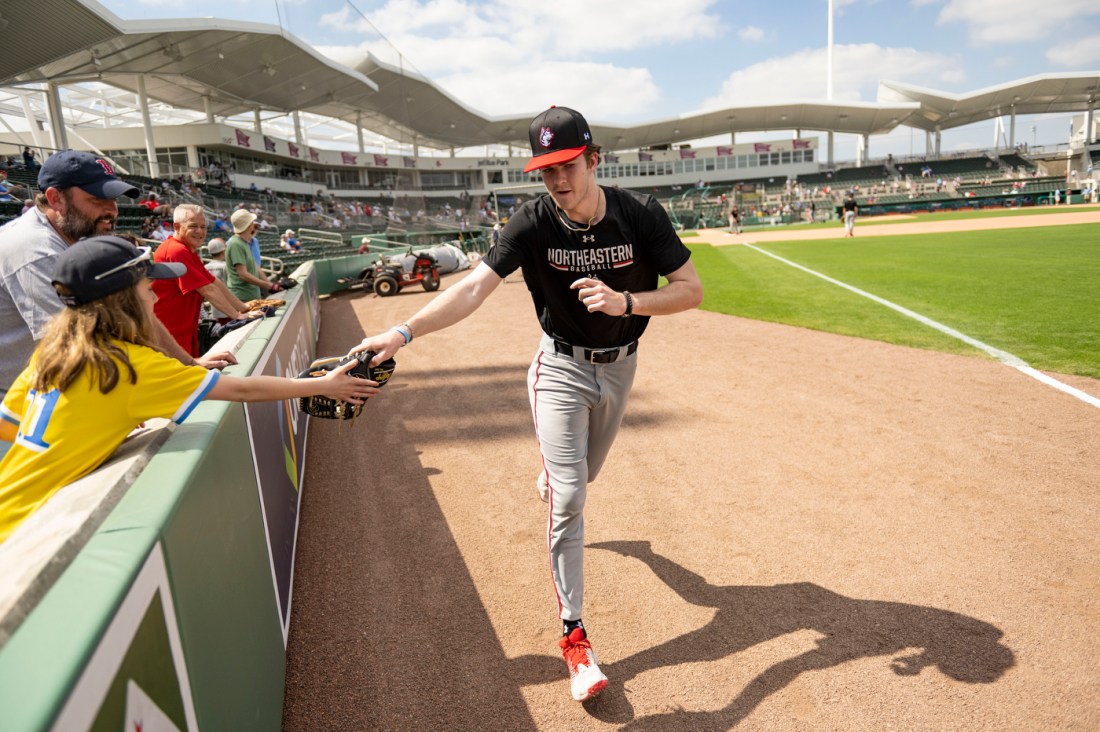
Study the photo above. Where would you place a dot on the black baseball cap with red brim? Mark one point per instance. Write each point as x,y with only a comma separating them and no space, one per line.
557,136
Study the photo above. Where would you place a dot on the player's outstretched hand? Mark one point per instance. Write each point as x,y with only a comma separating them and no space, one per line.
384,345
598,297
337,384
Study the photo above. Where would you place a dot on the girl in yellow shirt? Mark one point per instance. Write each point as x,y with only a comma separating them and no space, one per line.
95,376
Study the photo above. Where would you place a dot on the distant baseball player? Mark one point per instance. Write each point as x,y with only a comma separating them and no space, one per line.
591,257
95,376
850,211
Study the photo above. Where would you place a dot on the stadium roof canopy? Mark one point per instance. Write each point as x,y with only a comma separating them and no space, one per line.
1042,94
230,68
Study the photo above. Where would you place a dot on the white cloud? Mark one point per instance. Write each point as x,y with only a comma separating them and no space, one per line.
530,30
501,58
491,84
751,33
997,21
1082,52
857,69
603,91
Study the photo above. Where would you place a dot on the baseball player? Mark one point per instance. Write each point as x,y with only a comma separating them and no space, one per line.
591,257
850,211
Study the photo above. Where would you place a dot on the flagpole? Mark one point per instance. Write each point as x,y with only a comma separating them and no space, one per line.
829,58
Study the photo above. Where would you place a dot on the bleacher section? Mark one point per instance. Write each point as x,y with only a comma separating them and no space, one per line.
1017,162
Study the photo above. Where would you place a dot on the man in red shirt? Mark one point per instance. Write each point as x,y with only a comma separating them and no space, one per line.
180,300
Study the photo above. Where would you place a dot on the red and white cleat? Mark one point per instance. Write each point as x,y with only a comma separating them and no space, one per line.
585,678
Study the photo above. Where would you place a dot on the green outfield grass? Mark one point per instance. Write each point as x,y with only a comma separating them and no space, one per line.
1029,291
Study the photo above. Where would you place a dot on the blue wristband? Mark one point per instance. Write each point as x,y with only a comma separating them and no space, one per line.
407,335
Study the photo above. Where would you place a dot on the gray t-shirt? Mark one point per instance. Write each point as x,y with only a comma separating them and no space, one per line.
28,247
216,267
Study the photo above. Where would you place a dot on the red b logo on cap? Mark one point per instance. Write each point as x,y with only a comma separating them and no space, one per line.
106,168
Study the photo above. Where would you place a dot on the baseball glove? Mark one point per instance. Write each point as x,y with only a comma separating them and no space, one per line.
286,283
329,408
265,303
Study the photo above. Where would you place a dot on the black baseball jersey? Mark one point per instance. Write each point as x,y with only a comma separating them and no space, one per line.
630,246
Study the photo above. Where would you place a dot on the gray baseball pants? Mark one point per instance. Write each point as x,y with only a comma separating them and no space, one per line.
577,407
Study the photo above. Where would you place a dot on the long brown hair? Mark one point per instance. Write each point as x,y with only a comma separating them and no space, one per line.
85,337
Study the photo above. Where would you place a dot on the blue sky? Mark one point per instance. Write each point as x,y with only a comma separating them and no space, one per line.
628,61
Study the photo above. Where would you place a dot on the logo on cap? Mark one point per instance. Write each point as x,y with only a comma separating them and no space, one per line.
546,136
106,168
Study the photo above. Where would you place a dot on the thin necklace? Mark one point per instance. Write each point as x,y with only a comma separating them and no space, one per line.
571,225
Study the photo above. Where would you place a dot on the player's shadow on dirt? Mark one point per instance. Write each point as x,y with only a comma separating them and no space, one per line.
963,648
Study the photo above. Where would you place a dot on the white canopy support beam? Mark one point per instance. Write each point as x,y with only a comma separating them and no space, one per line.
57,116
36,130
147,124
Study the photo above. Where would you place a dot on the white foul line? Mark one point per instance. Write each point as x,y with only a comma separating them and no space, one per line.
1002,356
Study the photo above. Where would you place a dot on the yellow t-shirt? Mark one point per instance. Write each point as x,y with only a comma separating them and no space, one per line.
66,435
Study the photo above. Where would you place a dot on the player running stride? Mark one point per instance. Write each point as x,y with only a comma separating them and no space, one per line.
591,257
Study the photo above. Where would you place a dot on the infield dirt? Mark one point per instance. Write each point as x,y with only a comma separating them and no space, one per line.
794,531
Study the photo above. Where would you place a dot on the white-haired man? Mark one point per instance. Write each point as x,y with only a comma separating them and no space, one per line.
180,300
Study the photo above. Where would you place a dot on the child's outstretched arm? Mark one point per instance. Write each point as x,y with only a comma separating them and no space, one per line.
336,384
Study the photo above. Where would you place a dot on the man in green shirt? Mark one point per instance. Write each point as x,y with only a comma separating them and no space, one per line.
242,275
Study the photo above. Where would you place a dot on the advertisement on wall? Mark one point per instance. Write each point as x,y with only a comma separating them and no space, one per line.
137,677
277,432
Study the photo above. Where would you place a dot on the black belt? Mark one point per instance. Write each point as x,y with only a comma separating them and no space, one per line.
595,355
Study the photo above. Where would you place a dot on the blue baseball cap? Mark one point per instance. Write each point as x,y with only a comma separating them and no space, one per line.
94,175
94,268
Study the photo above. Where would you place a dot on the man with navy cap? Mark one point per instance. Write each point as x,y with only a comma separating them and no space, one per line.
592,258
77,199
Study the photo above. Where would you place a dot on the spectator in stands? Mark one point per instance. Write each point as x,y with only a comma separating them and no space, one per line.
96,376
27,206
29,161
216,266
222,226
244,278
150,202
180,300
5,187
289,241
850,210
77,201
162,232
